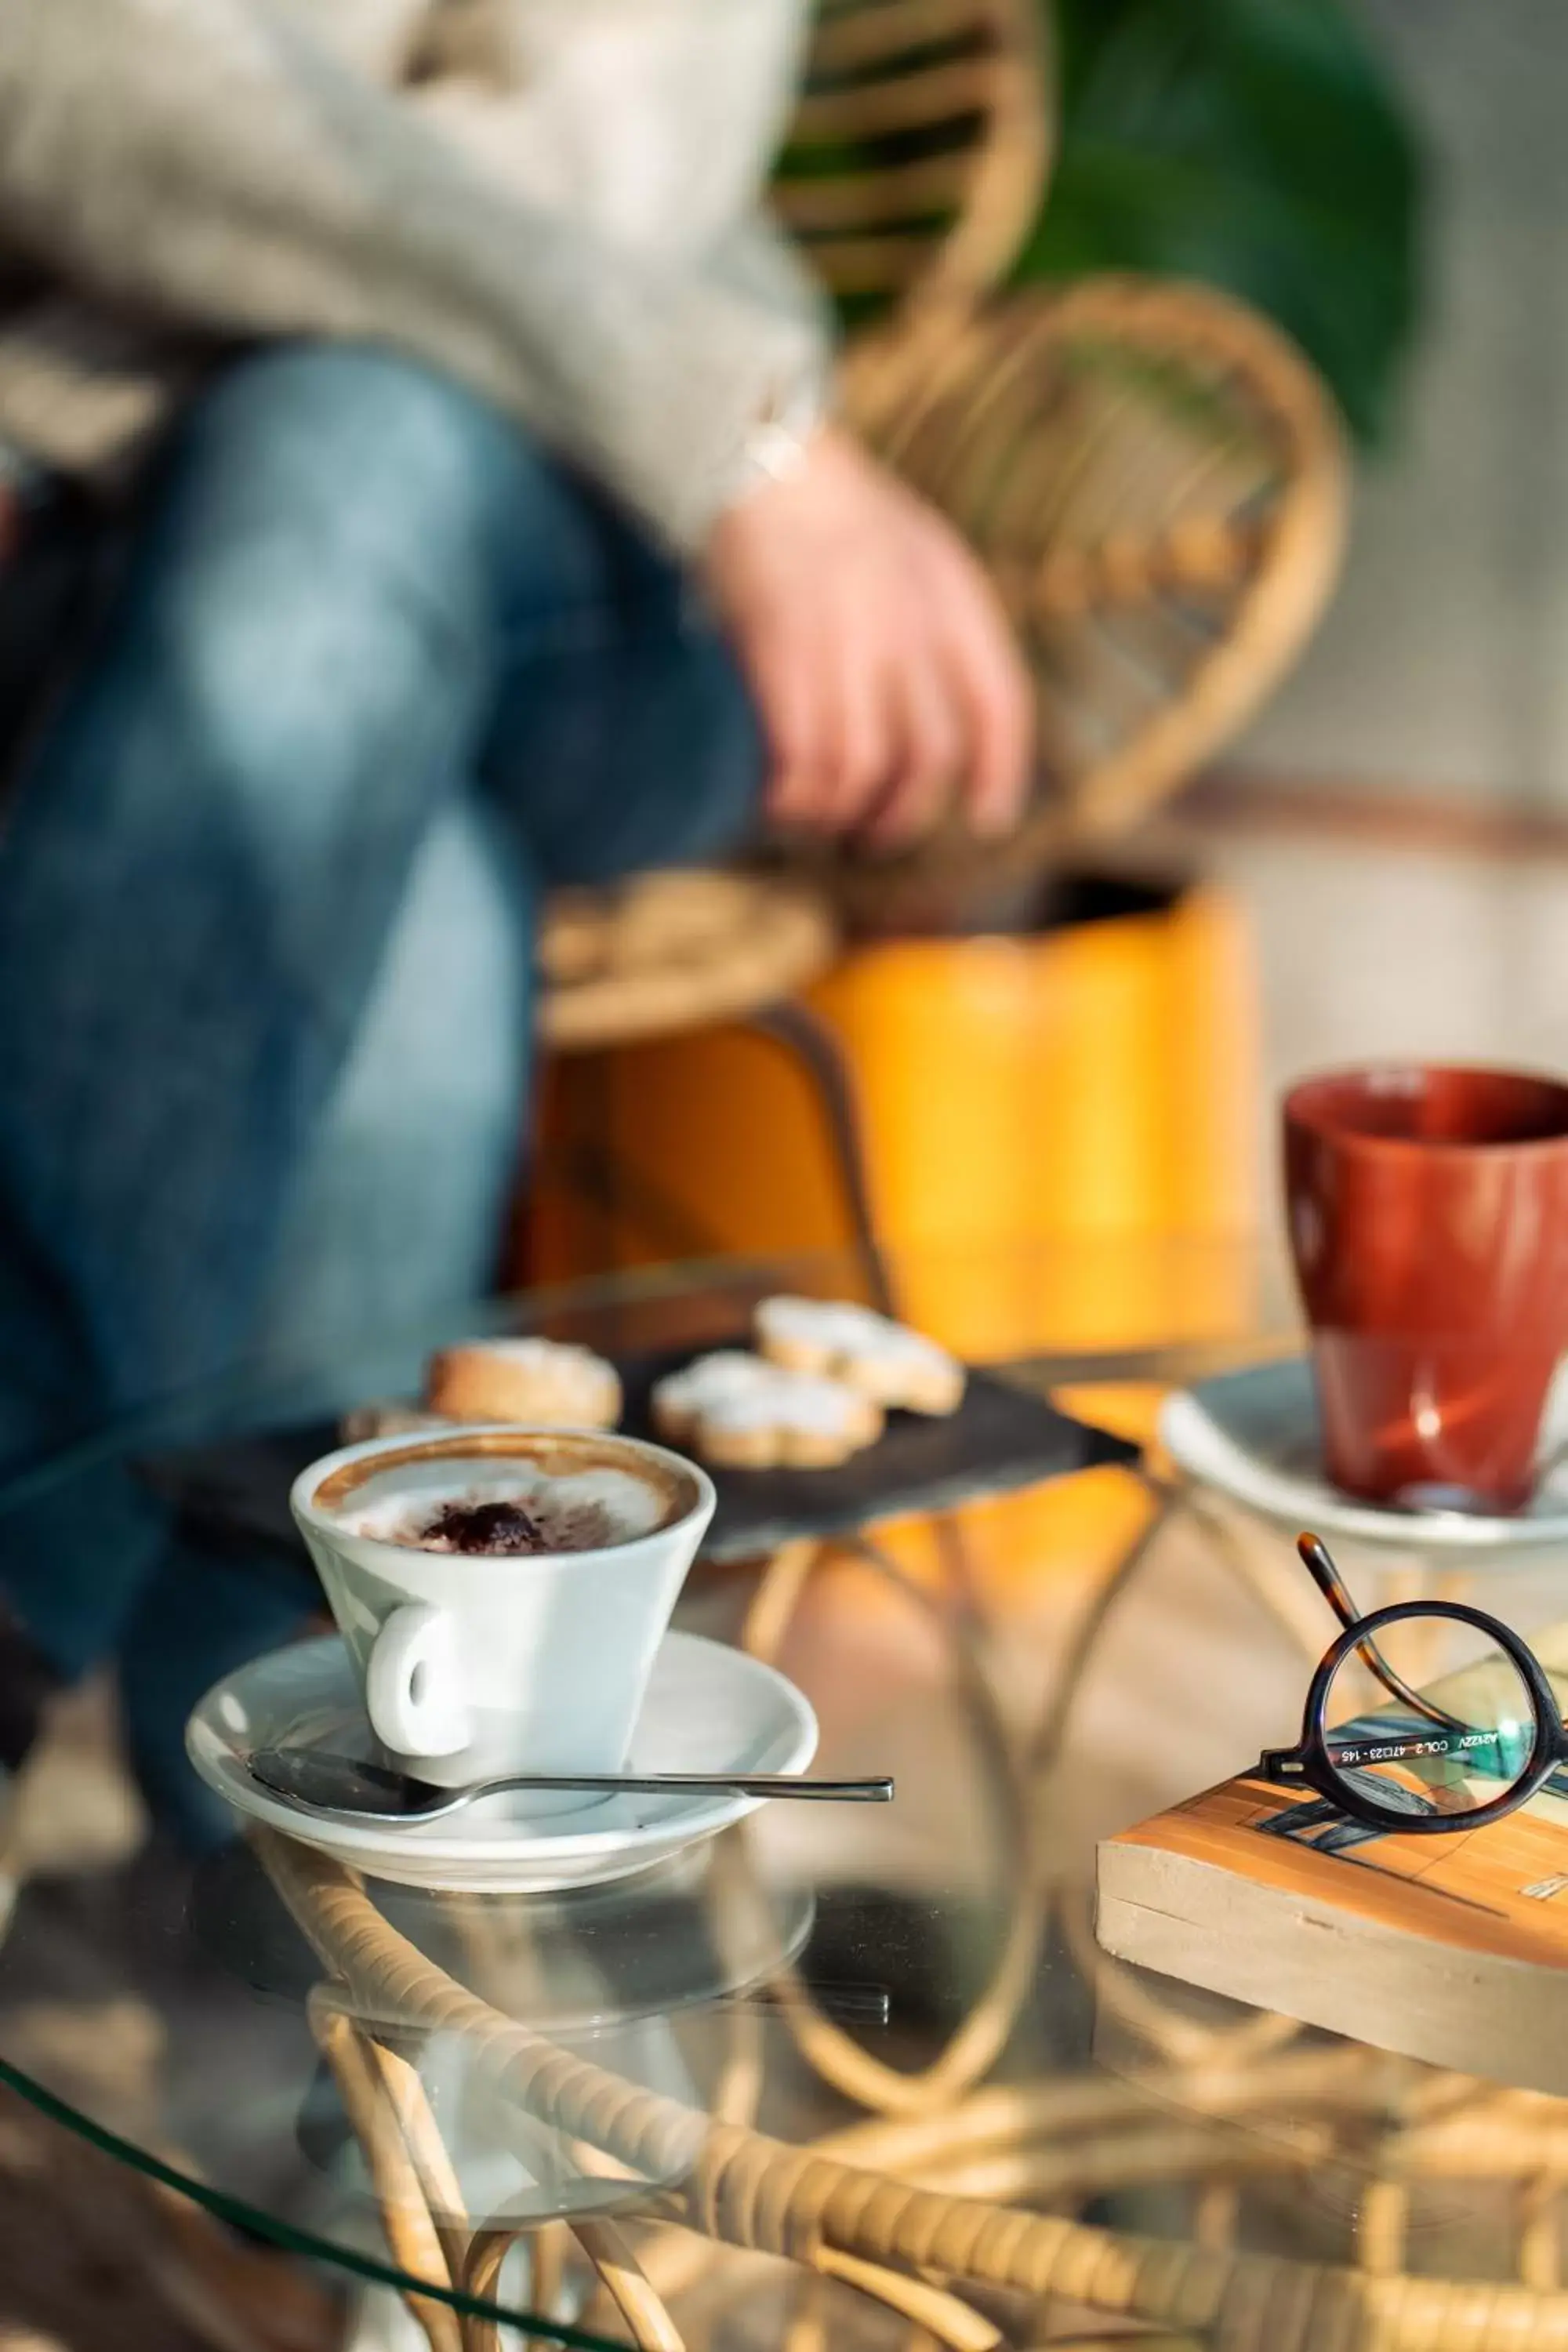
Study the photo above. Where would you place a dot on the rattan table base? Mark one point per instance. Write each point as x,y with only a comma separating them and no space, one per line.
954,2205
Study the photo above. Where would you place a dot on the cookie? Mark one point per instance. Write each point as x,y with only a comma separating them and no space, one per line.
740,1413
678,1401
543,1383
868,1352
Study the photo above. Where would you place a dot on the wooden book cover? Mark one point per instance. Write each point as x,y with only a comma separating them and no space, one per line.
1453,1949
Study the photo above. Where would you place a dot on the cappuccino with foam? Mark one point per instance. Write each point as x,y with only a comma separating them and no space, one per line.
503,1591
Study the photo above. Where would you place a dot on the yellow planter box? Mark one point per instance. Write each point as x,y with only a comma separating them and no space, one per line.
1095,1082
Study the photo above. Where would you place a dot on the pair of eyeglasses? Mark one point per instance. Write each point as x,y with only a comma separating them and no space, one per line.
1409,1764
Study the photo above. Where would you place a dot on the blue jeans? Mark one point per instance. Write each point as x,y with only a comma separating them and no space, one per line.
374,672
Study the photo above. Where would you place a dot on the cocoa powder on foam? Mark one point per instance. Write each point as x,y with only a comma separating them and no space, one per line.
498,1528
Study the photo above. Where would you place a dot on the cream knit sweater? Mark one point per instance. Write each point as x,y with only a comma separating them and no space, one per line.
556,200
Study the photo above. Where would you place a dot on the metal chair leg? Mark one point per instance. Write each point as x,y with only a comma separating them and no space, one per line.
794,1025
618,1192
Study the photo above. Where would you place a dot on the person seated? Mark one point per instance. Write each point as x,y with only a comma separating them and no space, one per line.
426,451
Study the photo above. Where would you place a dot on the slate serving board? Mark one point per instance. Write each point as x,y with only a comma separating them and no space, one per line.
235,1491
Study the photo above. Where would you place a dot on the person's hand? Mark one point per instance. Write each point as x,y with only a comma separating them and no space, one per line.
889,683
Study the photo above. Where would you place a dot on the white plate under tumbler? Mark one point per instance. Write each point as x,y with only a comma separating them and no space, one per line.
1255,1436
709,1708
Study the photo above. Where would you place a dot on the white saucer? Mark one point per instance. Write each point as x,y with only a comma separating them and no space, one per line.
709,1708
1254,1436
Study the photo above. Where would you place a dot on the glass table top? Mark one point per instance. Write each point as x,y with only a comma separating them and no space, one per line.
835,2077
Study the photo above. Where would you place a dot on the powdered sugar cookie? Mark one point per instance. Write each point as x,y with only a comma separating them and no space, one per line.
740,1413
544,1383
868,1352
679,1401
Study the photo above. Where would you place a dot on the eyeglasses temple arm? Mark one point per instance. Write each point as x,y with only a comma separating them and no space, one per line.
1318,1561
1320,1566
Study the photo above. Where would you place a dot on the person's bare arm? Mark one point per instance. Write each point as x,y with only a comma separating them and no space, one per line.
214,163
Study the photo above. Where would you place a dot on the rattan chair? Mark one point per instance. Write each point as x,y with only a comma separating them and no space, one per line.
1152,474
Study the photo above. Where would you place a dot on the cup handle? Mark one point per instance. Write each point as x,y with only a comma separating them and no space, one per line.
410,1688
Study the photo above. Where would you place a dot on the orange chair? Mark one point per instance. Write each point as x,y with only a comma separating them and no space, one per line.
1092,1083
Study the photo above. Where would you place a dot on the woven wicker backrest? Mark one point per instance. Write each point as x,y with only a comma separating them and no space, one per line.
1150,473
918,155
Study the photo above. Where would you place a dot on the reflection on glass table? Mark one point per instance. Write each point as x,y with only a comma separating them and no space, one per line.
825,2080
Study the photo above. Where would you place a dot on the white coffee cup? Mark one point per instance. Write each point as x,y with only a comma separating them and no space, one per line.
479,1665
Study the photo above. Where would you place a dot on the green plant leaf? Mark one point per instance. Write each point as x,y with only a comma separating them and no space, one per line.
1258,145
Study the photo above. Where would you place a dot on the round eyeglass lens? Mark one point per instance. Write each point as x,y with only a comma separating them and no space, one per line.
1454,1732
